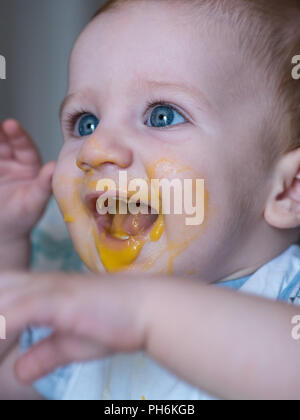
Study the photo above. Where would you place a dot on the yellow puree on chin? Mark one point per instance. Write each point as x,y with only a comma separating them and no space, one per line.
116,258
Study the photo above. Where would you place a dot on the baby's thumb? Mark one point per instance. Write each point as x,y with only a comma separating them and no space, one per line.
42,188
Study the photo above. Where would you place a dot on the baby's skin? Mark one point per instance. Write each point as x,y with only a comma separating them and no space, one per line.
25,187
251,214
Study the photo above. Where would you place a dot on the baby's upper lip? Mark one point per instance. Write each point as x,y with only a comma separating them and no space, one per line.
132,225
92,198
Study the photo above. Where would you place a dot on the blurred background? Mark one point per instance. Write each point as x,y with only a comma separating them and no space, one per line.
36,38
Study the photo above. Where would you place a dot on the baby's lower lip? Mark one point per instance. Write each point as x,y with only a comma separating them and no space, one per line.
118,251
121,227
120,237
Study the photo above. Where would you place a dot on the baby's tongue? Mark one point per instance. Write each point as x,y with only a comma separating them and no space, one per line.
130,225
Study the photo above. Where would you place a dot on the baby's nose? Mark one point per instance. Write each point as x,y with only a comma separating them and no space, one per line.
95,152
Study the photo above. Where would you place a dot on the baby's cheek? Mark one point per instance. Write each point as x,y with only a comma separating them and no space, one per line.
192,202
67,194
62,179
187,232
83,239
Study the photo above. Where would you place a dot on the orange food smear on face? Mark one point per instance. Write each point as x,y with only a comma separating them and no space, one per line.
77,217
119,257
69,219
115,257
82,167
168,166
71,205
175,249
158,229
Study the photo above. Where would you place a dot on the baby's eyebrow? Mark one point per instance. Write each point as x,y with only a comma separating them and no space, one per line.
181,87
65,102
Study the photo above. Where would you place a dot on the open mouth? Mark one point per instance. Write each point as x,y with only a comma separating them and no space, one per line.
117,225
120,235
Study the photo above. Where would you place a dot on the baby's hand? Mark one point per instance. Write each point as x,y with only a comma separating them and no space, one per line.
25,185
92,317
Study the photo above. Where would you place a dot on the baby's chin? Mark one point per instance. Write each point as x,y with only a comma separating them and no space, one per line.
104,253
150,261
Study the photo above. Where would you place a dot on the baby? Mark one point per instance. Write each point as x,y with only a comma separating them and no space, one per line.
173,90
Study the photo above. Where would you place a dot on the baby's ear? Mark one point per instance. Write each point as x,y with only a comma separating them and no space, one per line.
283,205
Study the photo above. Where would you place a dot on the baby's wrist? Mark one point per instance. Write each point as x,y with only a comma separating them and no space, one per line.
15,253
151,299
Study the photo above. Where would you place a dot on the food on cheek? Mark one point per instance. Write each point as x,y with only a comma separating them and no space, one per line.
67,193
118,240
167,167
69,219
68,198
158,229
172,168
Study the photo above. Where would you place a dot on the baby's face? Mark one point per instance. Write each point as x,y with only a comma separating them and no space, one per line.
160,95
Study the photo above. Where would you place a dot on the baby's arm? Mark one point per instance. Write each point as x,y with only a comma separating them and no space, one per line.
25,188
231,345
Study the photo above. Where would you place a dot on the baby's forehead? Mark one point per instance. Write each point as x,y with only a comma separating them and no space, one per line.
120,50
157,28
162,41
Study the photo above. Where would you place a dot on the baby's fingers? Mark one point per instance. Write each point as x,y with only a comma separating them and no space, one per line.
21,145
54,352
6,151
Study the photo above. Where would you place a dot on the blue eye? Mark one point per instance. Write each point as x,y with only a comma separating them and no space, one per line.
164,116
87,124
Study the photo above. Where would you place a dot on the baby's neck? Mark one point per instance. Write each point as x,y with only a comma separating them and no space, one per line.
253,255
